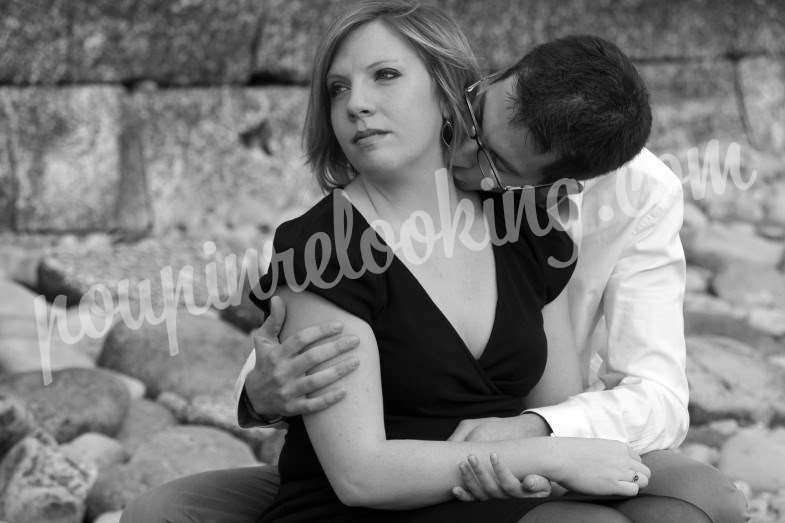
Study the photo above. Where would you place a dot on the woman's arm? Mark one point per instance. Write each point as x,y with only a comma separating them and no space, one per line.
562,376
365,469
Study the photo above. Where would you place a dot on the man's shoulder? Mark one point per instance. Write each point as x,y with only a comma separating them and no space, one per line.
641,184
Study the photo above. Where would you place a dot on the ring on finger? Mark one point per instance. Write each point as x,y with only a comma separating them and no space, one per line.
635,478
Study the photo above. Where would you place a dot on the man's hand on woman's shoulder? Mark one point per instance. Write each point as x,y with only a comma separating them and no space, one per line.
284,381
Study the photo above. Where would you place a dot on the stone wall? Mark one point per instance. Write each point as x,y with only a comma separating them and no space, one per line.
145,116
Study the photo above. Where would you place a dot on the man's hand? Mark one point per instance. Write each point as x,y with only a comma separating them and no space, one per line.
527,425
481,483
282,382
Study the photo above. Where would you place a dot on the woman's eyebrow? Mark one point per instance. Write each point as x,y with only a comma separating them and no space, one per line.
370,66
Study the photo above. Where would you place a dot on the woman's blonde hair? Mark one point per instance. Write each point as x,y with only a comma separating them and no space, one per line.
436,38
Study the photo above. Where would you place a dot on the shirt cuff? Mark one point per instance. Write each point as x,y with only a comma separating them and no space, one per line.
247,417
565,420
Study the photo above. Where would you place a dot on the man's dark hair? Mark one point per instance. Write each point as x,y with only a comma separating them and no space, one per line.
583,99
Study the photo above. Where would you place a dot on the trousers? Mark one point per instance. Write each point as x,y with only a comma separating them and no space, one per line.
241,495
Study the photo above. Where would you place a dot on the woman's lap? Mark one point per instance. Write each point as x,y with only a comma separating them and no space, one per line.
243,494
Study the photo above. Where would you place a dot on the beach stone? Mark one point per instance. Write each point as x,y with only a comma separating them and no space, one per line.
712,434
210,355
95,449
729,379
77,401
170,454
757,457
697,279
701,453
127,281
38,483
750,285
136,388
24,329
109,517
705,314
770,321
16,422
221,412
718,245
145,418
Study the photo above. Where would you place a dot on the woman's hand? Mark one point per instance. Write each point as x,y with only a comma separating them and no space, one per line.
481,483
599,466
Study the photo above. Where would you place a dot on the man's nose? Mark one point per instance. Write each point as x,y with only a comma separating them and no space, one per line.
465,154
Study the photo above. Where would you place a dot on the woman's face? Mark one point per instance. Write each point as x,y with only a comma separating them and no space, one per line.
385,111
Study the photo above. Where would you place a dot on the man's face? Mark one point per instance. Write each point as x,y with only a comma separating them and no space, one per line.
510,145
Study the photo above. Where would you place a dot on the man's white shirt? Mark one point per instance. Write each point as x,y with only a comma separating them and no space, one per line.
626,309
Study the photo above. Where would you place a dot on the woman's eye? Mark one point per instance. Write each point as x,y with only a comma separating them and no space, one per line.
335,89
387,74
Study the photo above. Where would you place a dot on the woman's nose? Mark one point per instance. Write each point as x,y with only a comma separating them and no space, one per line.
359,103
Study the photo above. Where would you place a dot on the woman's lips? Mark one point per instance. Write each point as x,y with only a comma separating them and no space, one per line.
367,136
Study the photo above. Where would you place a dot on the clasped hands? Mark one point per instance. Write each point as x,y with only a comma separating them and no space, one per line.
285,382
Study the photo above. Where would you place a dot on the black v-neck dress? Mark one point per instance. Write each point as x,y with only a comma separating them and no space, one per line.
430,379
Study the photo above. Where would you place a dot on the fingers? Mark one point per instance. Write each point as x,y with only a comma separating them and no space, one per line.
307,360
535,486
303,406
486,478
318,380
508,483
470,481
462,495
271,327
299,341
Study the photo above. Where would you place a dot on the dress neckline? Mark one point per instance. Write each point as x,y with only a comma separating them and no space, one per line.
445,319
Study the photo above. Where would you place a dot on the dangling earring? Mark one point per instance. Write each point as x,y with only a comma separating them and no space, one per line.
447,132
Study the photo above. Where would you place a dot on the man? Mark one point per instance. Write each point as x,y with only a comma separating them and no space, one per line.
572,108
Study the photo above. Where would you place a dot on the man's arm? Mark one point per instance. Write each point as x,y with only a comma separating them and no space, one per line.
645,403
278,379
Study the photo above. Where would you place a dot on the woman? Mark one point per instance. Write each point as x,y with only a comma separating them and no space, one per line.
386,98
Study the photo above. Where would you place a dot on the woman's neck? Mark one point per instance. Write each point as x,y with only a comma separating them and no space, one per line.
396,199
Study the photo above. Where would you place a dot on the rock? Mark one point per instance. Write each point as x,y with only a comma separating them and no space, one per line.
750,285
170,454
127,282
716,246
16,422
770,321
77,401
136,389
701,453
109,517
729,379
697,279
202,144
145,418
24,330
41,484
65,146
757,457
195,43
95,449
210,356
36,47
763,86
713,434
775,203
689,115
709,315
221,412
